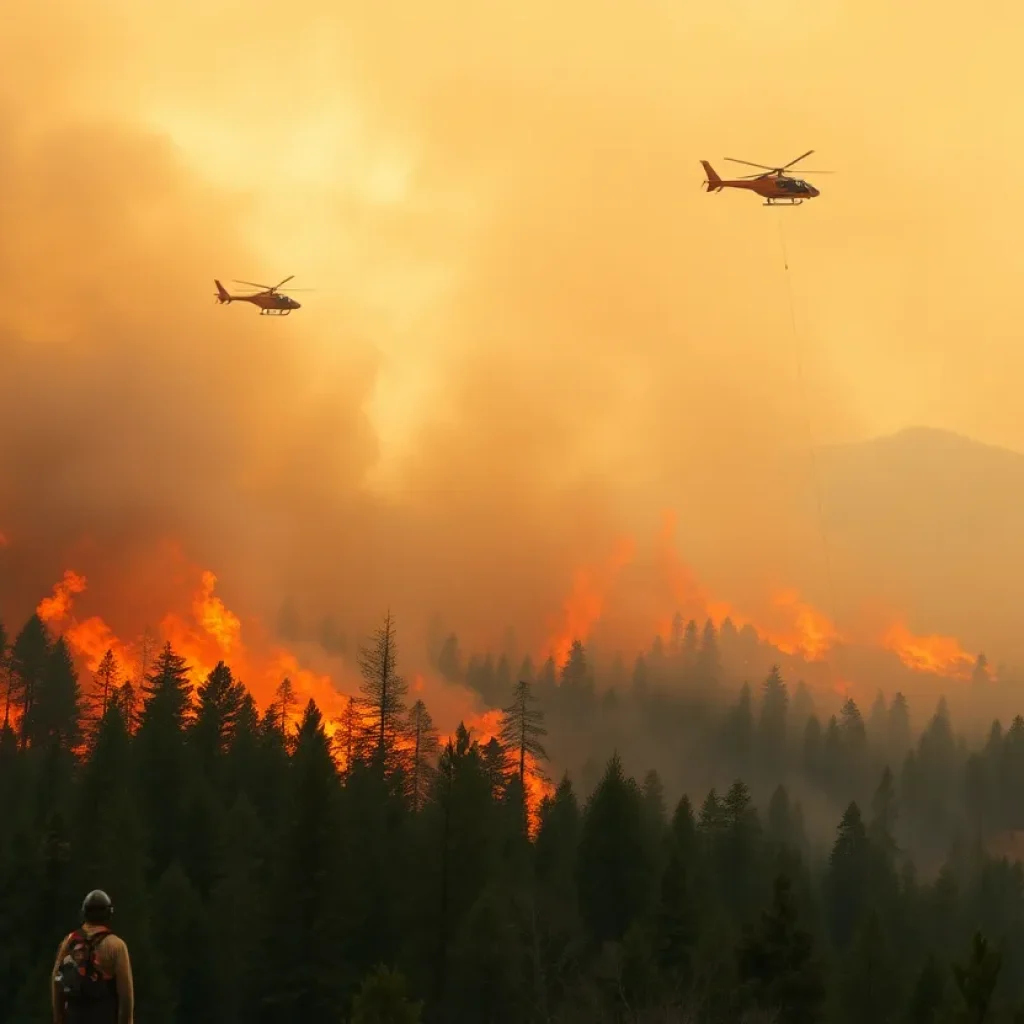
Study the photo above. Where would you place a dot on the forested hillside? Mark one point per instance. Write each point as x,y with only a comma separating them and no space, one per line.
268,865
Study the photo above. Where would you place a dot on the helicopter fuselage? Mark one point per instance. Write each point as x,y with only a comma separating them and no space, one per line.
269,305
270,301
775,186
777,189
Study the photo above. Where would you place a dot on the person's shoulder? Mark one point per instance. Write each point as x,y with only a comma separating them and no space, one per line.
114,942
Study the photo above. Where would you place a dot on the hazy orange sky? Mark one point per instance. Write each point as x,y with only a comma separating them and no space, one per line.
532,331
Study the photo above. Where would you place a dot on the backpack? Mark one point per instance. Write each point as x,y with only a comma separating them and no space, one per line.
79,976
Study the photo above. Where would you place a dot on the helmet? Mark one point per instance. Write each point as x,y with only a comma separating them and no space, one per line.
97,907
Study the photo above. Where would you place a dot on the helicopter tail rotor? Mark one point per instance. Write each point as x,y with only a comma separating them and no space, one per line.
714,181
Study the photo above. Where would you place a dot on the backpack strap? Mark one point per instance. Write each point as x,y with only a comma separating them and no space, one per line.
91,941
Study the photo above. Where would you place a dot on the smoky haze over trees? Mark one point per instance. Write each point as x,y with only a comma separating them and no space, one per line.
829,867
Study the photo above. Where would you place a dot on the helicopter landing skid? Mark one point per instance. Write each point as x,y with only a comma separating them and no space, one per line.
275,312
782,202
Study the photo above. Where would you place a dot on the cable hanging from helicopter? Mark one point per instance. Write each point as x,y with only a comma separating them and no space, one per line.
778,188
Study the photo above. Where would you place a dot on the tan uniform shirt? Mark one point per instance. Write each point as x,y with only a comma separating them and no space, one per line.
112,958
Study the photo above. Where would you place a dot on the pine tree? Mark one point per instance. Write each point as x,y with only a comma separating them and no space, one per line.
557,840
424,752
980,677
677,923
522,727
575,673
238,906
495,757
55,712
547,680
848,875
781,827
691,645
167,692
612,871
110,850
489,963
676,634
712,815
882,827
977,979
350,738
127,700
813,753
801,708
166,714
778,970
283,707
300,980
878,722
458,845
898,737
28,660
738,731
7,677
106,682
149,649
835,761
220,702
709,664
772,723
739,850
384,694
449,660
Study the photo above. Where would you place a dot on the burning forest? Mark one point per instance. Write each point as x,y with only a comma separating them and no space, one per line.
588,837
563,617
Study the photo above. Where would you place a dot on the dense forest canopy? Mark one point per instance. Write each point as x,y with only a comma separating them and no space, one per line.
811,868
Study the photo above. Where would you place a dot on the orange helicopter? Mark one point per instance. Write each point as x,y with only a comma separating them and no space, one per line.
773,184
270,301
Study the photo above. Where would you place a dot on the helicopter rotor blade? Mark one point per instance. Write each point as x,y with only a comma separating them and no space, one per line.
279,283
798,159
749,163
253,284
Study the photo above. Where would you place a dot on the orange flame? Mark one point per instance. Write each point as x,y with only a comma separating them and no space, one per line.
214,634
57,607
487,726
810,634
92,639
941,655
795,627
583,607
213,616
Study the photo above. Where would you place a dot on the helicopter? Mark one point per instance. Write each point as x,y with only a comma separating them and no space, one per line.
271,302
773,184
